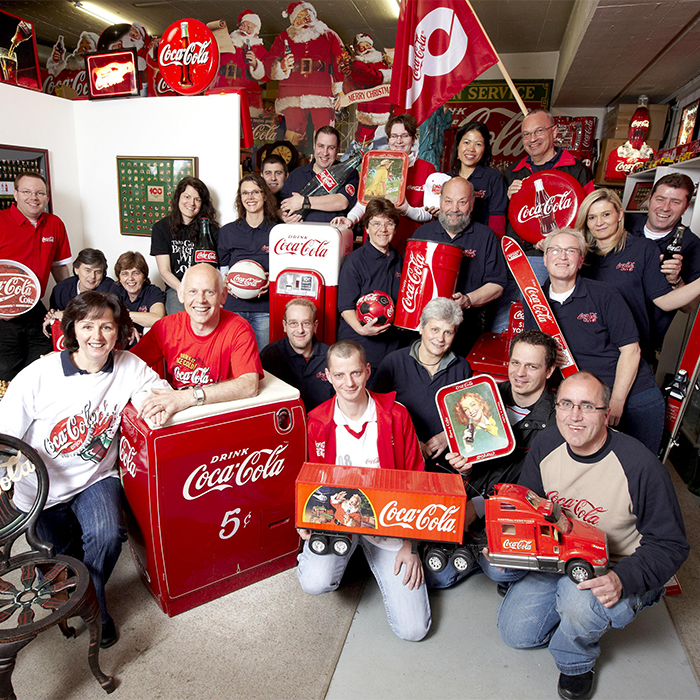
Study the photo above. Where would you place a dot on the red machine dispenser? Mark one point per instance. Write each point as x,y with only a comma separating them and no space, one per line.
212,494
305,261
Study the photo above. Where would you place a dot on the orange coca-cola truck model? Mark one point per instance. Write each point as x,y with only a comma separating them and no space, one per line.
335,501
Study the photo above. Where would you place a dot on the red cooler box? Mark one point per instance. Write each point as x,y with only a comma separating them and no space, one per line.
212,494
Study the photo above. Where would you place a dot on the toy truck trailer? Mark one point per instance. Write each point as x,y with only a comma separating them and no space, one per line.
336,501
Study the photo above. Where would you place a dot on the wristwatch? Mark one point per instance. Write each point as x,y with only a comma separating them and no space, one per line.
198,394
307,203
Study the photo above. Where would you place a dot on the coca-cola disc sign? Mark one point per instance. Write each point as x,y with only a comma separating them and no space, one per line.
19,289
533,214
188,56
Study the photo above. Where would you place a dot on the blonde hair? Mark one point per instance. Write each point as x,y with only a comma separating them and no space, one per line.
549,239
601,195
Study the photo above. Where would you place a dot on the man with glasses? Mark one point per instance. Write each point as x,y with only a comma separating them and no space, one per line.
300,358
603,337
30,236
609,480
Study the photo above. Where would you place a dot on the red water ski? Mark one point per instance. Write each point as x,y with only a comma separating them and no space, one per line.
536,300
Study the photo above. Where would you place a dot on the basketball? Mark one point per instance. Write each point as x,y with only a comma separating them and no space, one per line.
377,305
245,279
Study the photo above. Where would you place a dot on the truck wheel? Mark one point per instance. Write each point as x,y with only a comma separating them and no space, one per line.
579,570
462,559
318,544
435,559
341,545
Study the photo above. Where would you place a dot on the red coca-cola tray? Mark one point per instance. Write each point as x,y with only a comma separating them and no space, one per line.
383,174
475,419
565,194
19,289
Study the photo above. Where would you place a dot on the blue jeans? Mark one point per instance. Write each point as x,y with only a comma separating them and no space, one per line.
449,576
172,304
643,417
260,320
549,609
408,611
90,528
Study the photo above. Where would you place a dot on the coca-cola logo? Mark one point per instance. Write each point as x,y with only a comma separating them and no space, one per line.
625,267
15,470
582,509
191,377
262,464
67,436
195,53
640,124
411,284
556,202
539,307
591,317
327,180
208,256
245,281
19,289
435,517
518,545
469,253
306,247
75,80
127,454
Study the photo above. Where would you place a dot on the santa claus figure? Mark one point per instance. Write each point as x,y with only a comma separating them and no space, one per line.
58,61
369,68
308,60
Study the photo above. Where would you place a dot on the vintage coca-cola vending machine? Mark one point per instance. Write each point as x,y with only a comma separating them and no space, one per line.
211,494
305,261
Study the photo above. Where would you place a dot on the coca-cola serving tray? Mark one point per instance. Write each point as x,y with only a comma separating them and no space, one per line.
383,174
535,210
19,289
475,419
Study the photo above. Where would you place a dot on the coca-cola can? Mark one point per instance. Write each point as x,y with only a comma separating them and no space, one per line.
430,270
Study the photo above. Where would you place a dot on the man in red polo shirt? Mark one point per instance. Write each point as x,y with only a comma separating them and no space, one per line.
30,236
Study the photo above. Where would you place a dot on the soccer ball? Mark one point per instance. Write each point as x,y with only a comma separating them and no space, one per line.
377,305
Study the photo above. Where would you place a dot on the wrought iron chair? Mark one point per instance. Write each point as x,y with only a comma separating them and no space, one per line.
38,589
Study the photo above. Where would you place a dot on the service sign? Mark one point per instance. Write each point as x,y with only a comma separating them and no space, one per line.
535,212
188,56
19,289
475,419
113,74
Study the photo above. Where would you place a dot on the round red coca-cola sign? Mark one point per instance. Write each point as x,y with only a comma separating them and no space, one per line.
19,289
548,200
188,56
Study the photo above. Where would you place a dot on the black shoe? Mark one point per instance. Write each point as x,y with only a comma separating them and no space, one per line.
575,687
110,635
502,589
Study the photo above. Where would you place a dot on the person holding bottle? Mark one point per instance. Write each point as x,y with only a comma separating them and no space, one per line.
173,238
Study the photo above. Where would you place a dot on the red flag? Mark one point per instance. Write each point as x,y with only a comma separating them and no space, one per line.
440,48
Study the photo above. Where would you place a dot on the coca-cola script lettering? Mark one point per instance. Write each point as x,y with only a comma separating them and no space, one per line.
196,53
311,247
126,454
581,508
555,203
434,517
518,545
415,267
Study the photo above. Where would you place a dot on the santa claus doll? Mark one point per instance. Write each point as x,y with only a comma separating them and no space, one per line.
58,61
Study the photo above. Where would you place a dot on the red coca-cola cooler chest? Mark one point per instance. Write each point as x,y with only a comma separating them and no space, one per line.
211,494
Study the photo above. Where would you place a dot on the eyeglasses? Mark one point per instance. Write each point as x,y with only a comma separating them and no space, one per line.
252,193
400,137
304,324
537,133
30,193
389,225
570,252
584,407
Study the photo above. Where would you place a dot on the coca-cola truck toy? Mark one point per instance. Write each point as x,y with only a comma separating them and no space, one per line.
336,501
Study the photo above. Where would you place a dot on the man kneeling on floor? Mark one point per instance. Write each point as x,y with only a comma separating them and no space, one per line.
364,429
612,481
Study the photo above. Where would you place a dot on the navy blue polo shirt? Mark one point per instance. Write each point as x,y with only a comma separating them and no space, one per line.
67,289
240,241
305,173
367,270
596,323
416,389
635,273
490,194
309,376
150,294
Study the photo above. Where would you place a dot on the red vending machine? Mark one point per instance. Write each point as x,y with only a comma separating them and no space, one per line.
212,494
305,261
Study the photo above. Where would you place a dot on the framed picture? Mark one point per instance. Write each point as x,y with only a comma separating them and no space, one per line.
687,130
475,419
113,74
19,63
14,160
347,507
146,186
383,174
639,199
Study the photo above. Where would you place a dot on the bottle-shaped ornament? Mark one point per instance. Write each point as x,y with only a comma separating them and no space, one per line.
639,126
60,47
544,209
204,250
185,69
674,245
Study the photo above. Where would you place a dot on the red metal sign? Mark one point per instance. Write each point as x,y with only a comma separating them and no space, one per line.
19,289
188,56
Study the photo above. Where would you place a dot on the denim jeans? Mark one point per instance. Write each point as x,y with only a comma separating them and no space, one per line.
643,417
172,303
408,611
261,326
449,576
549,609
90,528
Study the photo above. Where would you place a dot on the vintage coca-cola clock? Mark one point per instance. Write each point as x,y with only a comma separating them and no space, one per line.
547,200
19,289
188,56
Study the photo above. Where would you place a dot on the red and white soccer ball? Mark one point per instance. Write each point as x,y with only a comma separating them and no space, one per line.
377,305
245,279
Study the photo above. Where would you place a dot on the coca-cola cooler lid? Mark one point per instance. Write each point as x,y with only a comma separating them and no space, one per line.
19,289
565,192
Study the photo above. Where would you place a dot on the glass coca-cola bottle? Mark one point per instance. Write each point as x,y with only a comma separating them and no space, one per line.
674,245
204,249
544,209
185,73
639,125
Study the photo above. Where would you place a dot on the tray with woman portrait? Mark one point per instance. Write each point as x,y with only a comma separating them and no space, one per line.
475,419
383,174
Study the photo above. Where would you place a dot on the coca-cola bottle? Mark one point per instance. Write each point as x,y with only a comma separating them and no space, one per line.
204,250
639,125
544,209
185,73
22,33
59,49
674,245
